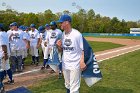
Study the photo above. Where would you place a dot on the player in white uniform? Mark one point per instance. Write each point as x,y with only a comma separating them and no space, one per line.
24,48
27,31
16,40
7,69
47,27
43,34
73,55
28,38
9,32
34,44
4,57
52,37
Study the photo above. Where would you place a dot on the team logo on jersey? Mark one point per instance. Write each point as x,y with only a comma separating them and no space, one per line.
32,36
16,36
43,36
68,42
53,35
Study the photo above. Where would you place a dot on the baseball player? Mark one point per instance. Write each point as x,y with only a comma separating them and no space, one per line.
6,65
73,55
16,39
24,48
47,27
34,44
27,31
43,34
9,32
28,37
4,57
51,38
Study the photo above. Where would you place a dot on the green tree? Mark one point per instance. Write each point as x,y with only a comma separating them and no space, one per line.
32,19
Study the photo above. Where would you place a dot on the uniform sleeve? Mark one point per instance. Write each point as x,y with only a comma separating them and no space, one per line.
47,36
2,41
80,41
62,39
60,34
38,35
25,36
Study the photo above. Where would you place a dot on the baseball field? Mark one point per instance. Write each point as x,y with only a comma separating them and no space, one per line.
119,62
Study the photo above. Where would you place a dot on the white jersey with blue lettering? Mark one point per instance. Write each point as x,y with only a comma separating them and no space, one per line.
72,44
43,37
25,37
4,40
53,36
16,41
34,36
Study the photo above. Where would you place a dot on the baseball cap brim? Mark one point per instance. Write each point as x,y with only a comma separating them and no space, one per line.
59,21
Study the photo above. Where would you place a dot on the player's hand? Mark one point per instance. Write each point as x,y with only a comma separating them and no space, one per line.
38,46
82,65
5,57
45,44
59,43
27,46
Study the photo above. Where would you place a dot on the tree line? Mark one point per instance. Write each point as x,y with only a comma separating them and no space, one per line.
84,21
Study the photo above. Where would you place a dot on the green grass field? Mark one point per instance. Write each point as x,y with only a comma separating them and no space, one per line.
100,46
120,75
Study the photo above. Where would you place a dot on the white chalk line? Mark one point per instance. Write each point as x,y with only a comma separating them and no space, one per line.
35,70
118,55
27,72
117,50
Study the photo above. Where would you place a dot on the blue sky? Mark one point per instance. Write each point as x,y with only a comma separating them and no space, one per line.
122,9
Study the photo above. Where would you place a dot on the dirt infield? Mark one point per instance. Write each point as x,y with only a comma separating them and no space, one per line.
33,74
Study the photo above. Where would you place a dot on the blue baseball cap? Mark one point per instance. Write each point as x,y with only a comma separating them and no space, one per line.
53,23
10,25
32,25
26,27
14,24
20,27
47,25
41,29
23,28
64,18
1,27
